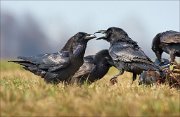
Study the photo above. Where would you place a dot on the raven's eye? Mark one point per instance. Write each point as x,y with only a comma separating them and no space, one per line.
81,35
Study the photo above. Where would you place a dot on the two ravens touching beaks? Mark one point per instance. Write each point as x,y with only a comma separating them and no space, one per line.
70,66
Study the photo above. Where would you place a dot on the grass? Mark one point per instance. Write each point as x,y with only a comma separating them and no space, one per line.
24,94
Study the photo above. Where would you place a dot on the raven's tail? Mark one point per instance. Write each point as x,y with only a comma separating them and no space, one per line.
23,63
29,66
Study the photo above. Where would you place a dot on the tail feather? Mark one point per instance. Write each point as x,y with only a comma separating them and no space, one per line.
24,63
31,67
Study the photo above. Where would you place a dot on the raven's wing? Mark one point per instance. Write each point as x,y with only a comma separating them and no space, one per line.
170,37
86,68
45,62
128,53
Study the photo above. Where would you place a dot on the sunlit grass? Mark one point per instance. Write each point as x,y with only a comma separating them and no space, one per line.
25,94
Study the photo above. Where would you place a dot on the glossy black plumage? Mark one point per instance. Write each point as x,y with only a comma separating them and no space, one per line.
59,66
93,68
168,42
125,52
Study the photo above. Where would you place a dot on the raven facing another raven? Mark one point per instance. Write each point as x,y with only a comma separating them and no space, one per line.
59,66
126,54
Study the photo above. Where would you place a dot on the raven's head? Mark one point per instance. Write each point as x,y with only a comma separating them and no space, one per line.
82,37
103,57
79,38
156,46
113,34
80,41
89,58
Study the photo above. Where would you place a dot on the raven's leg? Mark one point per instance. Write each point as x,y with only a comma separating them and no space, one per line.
134,77
113,80
172,56
158,55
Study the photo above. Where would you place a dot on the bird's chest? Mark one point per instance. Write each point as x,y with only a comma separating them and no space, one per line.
76,63
99,71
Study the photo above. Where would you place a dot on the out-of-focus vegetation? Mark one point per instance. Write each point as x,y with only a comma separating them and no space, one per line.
25,94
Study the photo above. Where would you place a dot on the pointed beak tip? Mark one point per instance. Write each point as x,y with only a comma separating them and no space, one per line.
90,36
98,39
93,36
101,31
97,32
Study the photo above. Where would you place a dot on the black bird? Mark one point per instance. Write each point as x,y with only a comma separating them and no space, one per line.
168,42
59,66
94,68
125,52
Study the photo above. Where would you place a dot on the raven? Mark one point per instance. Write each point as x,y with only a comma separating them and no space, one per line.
168,42
59,66
125,52
94,68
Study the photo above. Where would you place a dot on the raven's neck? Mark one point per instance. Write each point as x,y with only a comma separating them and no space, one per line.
125,41
79,51
68,46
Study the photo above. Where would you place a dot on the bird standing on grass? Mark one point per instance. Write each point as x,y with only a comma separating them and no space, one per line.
59,66
94,68
168,42
126,54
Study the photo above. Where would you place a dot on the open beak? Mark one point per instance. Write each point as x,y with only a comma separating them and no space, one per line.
102,32
90,36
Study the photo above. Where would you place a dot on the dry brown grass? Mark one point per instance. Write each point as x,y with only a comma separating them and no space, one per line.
24,94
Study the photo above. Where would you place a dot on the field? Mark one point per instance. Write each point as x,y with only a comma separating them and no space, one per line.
24,94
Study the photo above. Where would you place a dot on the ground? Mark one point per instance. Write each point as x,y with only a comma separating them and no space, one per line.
25,94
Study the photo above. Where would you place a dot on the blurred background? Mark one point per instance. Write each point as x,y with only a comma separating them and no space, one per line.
34,27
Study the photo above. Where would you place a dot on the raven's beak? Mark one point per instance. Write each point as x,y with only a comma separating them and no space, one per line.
90,36
102,32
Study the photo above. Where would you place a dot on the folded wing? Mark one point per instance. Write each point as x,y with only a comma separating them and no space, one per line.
44,62
128,53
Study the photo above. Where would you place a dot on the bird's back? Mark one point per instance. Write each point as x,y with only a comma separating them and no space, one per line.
170,37
130,58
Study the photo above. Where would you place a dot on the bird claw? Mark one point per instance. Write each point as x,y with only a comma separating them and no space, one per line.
113,81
